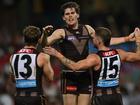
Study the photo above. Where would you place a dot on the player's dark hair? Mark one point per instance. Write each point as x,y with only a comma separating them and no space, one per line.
31,35
70,5
104,34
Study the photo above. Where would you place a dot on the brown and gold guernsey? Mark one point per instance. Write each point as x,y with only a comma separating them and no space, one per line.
75,47
28,75
75,44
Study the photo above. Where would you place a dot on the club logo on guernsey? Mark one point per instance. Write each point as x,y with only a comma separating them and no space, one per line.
71,38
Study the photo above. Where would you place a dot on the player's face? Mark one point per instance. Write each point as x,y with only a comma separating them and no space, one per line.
70,16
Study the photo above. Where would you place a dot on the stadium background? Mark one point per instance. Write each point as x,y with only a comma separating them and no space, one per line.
121,16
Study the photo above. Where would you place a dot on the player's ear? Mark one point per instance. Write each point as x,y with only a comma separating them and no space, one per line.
63,18
78,16
96,40
99,40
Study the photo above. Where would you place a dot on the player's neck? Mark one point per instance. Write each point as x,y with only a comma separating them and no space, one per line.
74,26
103,48
30,47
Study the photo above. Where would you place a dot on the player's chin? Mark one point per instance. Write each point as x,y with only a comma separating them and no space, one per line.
71,23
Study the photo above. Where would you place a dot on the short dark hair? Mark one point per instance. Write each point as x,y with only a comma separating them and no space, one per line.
70,5
104,34
31,35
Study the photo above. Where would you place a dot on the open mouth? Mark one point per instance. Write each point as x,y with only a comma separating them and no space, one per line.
71,20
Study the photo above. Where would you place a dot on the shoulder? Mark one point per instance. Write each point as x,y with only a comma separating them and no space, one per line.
94,57
42,59
94,60
123,54
120,51
89,27
11,56
60,32
43,56
90,30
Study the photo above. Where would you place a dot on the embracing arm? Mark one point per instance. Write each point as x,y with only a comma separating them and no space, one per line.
90,61
56,35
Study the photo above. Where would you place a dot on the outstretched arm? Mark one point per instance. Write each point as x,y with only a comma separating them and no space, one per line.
114,41
90,61
124,39
130,56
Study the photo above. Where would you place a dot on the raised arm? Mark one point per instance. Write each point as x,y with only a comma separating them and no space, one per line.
56,35
91,61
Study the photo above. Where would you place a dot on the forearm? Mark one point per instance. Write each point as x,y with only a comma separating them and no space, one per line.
119,40
50,40
47,41
67,62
